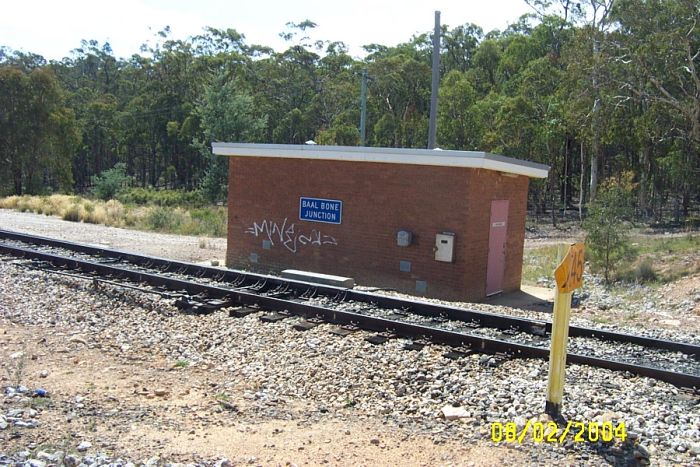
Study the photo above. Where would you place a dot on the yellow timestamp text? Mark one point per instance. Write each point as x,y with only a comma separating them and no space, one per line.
550,432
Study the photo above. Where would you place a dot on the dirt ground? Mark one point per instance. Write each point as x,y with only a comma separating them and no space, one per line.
138,406
683,287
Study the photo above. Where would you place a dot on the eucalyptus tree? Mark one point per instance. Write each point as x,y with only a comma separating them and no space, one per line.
336,105
660,43
593,18
459,46
91,77
38,134
285,84
458,125
227,113
399,92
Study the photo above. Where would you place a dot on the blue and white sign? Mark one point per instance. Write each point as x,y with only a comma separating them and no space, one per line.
329,211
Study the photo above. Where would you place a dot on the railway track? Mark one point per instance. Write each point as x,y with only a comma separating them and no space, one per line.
202,289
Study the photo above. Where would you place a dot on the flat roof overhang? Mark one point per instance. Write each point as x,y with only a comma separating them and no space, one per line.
435,157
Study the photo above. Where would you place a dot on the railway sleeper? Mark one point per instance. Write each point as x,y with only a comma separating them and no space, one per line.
539,329
381,338
343,331
275,316
493,359
201,305
305,325
168,293
242,312
416,345
217,303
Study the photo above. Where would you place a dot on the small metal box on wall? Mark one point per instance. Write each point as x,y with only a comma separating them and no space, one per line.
404,238
444,247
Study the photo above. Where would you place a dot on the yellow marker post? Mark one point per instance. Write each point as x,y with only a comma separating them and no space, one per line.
569,277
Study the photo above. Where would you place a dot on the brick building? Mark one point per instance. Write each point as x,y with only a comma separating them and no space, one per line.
447,224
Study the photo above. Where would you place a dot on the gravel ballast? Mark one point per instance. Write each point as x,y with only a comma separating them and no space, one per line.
272,366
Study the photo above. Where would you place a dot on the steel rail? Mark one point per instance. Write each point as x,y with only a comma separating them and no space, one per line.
482,318
298,307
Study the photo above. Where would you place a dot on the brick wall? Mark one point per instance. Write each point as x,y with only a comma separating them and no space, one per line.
266,235
487,185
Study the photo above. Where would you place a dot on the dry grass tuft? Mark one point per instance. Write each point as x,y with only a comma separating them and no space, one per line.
197,221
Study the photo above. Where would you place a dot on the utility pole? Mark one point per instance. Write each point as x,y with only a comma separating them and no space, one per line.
363,108
432,129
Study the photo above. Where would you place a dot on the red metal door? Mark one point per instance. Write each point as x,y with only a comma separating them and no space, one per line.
497,247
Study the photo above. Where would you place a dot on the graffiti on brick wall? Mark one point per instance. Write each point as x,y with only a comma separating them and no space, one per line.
287,235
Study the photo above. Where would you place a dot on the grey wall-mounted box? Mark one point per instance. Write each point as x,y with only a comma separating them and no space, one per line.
404,238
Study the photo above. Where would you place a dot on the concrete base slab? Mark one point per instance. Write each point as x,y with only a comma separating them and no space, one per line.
527,298
316,278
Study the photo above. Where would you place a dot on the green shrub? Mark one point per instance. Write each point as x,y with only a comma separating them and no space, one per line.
607,226
209,221
214,184
109,182
644,272
171,198
133,196
165,219
692,222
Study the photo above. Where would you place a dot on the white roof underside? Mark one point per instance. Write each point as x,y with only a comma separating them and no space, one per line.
467,159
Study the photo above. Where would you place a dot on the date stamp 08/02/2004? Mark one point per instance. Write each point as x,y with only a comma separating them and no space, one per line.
550,432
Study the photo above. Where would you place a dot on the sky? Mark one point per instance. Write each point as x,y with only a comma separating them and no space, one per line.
53,28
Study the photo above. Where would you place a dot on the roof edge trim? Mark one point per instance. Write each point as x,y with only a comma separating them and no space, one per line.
445,158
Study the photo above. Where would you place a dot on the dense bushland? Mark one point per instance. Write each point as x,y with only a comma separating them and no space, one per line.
591,88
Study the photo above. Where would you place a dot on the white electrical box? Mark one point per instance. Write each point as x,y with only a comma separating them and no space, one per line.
444,247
